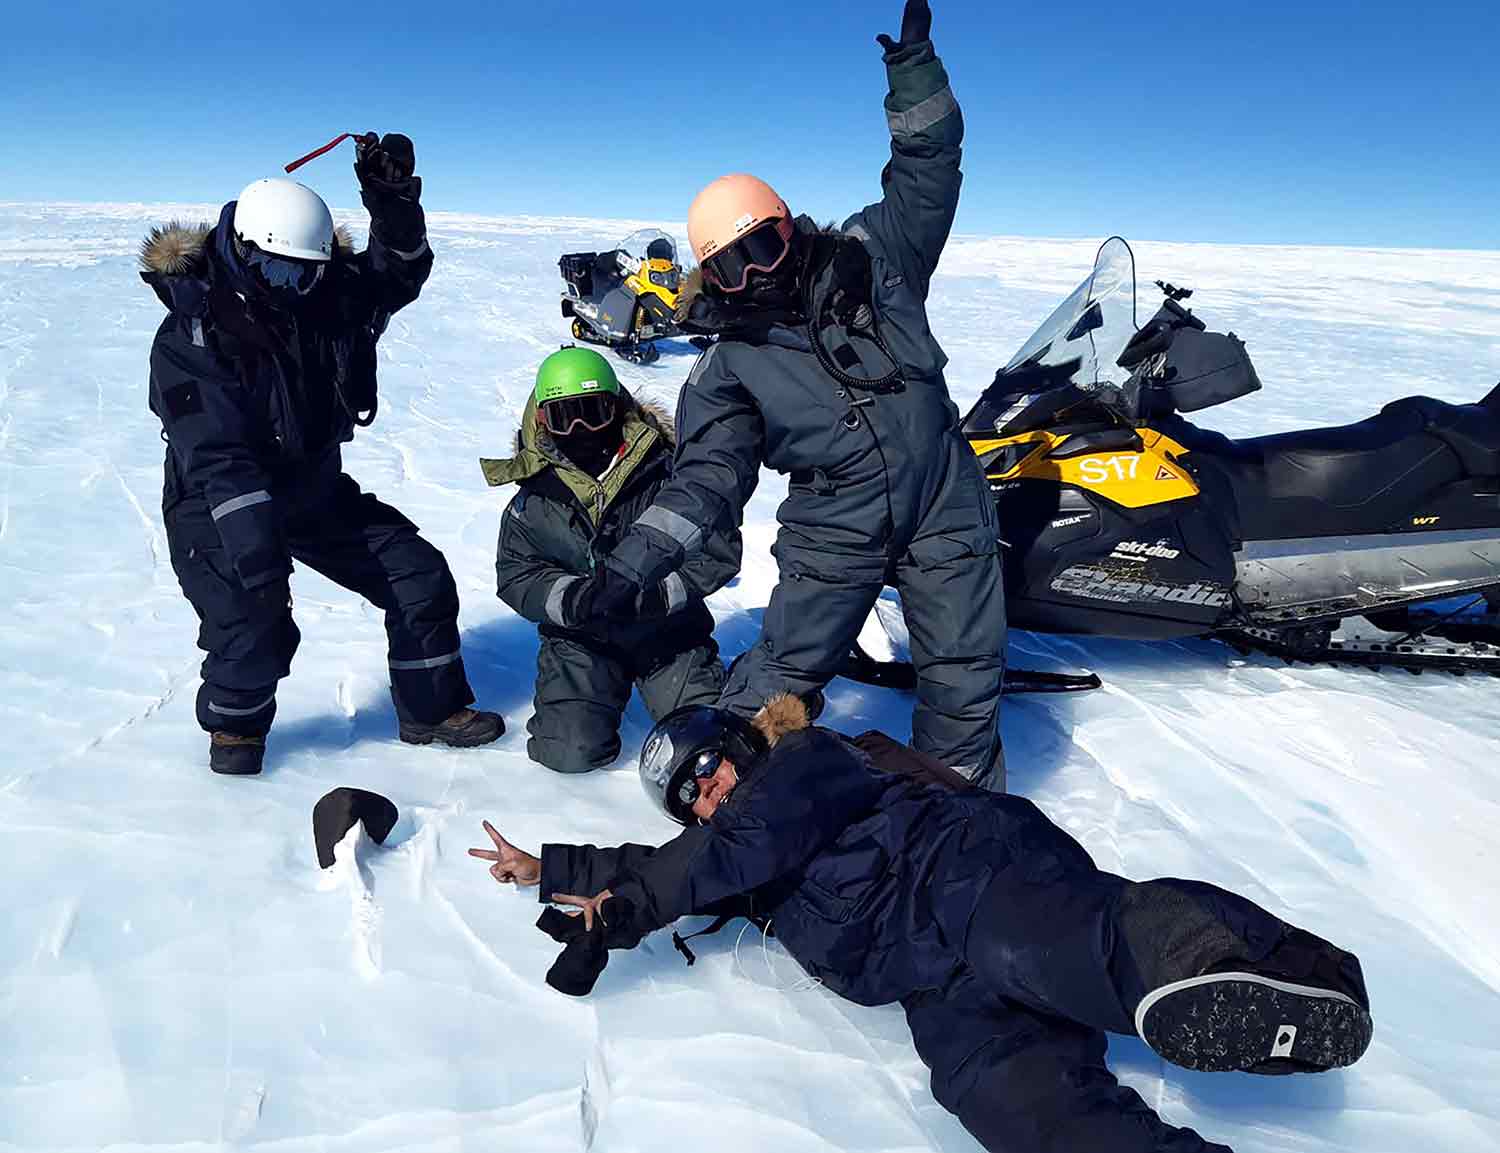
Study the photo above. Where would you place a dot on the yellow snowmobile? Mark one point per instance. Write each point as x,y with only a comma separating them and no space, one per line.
625,298
1375,543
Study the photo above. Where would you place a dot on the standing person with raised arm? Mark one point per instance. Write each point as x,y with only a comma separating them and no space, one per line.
263,368
825,368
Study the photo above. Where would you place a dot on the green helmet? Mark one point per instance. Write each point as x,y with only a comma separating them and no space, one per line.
574,372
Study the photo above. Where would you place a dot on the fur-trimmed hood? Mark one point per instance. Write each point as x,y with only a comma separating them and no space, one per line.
177,248
535,450
647,430
782,714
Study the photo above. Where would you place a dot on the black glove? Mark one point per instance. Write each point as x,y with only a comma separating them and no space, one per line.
916,26
604,595
385,167
586,951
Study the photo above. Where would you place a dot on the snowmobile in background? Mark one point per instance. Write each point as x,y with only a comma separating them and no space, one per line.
1375,543
626,298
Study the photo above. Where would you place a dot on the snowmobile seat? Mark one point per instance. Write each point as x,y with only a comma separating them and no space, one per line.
1355,478
1471,430
607,266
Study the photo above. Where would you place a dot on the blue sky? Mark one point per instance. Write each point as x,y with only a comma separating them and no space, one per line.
1325,121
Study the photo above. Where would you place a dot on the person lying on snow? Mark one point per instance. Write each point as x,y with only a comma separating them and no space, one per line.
889,877
263,368
589,460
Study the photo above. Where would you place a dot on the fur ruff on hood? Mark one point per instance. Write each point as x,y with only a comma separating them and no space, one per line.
782,714
175,248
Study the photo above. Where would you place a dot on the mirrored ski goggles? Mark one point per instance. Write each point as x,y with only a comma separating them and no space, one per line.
760,250
282,273
704,767
566,414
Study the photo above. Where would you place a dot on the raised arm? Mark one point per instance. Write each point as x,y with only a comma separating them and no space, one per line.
398,260
920,185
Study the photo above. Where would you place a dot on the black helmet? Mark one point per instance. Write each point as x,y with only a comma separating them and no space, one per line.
687,744
660,249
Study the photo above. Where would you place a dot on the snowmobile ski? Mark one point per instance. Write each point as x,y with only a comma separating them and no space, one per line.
862,667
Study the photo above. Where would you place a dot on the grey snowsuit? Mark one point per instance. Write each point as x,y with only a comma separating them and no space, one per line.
551,535
884,489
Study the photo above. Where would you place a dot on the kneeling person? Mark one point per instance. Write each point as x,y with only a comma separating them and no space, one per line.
589,460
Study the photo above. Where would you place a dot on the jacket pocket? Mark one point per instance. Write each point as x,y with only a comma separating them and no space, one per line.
824,905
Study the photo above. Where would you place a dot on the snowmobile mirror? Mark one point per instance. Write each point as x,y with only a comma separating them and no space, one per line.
1092,318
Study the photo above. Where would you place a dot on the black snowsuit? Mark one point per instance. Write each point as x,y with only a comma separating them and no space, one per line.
884,489
551,536
1011,953
254,404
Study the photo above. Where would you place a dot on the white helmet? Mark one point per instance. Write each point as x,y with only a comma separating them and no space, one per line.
286,218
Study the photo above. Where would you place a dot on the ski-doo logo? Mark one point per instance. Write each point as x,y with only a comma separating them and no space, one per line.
1066,521
1098,585
1137,550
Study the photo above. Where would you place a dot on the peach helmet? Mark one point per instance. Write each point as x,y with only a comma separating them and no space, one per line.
738,225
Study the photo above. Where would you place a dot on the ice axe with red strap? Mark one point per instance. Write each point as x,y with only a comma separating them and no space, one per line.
384,164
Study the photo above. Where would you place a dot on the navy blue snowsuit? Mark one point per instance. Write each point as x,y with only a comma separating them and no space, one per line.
1011,953
254,404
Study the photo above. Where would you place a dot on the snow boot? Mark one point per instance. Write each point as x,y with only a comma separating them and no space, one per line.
234,755
1238,1020
465,729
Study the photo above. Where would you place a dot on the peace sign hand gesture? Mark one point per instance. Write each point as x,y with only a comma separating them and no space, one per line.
510,863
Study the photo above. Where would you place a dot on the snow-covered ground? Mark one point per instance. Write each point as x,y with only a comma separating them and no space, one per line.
176,973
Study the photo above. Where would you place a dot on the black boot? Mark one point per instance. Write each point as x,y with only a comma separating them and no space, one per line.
463,730
234,755
1301,1009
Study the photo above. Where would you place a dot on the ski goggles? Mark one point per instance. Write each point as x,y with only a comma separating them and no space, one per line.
281,273
592,411
704,767
760,250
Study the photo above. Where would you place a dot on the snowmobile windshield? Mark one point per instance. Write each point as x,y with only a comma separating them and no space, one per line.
649,244
1092,326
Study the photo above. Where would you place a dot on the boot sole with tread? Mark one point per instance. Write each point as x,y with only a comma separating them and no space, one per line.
1222,1022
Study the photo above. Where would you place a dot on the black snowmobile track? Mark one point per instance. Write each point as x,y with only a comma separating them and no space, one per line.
1414,653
